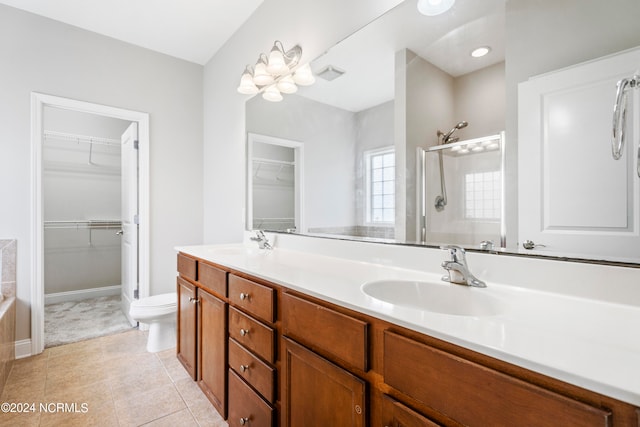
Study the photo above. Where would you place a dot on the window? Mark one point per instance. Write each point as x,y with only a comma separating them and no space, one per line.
381,194
483,195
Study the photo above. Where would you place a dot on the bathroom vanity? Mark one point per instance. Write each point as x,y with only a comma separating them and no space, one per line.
287,338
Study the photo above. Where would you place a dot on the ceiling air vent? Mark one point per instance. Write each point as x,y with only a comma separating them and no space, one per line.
330,73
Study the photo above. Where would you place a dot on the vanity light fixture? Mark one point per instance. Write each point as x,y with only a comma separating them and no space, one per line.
276,73
434,7
480,51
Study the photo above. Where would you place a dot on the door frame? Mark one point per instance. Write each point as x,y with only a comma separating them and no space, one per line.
298,148
38,102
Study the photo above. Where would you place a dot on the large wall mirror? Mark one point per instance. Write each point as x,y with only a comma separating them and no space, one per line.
410,139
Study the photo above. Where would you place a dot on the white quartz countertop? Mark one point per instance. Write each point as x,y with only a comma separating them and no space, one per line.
582,341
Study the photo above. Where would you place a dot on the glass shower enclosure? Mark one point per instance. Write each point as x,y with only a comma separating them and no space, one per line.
461,187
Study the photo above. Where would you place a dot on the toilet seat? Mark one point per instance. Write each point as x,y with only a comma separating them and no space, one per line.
153,307
159,311
157,300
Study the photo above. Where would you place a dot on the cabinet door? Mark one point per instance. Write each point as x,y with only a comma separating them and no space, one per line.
395,414
212,349
474,395
187,326
246,408
319,393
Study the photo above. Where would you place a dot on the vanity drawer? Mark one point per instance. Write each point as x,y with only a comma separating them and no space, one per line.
212,279
252,334
472,394
261,376
395,414
187,267
246,408
325,330
252,297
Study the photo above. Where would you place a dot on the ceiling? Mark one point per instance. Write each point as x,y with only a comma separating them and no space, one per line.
192,30
368,56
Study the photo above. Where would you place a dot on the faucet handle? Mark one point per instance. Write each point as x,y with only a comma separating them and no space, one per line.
457,252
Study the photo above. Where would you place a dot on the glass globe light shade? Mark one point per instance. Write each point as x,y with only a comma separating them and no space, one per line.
272,94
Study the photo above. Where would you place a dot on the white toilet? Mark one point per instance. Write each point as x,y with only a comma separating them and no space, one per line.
159,311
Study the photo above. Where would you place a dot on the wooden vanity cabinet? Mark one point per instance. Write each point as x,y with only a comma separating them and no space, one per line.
271,356
253,354
326,331
212,349
212,335
318,393
186,326
316,390
472,394
396,414
246,407
202,327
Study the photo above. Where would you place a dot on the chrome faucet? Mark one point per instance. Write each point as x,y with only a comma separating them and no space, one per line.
457,268
263,242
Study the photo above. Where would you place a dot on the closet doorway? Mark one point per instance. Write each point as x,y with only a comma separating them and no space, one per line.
90,209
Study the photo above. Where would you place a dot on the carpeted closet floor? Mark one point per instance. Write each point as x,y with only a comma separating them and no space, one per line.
73,321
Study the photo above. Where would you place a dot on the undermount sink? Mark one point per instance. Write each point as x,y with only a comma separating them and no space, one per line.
442,297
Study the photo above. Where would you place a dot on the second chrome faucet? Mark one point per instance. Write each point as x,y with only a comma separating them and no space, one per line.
263,241
457,268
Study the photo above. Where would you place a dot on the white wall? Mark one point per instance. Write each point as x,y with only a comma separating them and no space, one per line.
429,108
315,26
46,56
480,100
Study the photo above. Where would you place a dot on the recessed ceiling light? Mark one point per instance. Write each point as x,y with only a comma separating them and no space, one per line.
434,7
481,51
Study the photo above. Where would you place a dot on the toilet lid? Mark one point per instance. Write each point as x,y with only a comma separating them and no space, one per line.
157,300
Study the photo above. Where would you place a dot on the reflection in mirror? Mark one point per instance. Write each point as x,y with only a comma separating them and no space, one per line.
274,168
462,192
398,81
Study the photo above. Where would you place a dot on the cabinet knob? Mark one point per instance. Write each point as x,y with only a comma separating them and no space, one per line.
244,420
244,332
244,296
193,300
244,368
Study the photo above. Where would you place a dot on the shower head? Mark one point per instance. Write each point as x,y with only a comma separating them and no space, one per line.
446,137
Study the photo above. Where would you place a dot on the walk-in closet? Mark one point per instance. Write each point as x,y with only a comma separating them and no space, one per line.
81,199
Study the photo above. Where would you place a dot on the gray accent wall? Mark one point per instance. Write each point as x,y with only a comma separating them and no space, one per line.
50,57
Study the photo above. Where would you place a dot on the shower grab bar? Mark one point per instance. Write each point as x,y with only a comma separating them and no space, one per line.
620,117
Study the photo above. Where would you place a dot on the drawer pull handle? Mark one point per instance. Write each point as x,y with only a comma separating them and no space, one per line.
244,332
244,420
244,296
244,368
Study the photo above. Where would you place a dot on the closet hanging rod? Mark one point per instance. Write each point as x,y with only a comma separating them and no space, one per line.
71,137
264,161
90,224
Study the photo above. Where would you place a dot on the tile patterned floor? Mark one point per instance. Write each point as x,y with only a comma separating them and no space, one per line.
114,378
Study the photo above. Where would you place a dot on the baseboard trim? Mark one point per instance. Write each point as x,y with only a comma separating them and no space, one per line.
81,294
23,348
